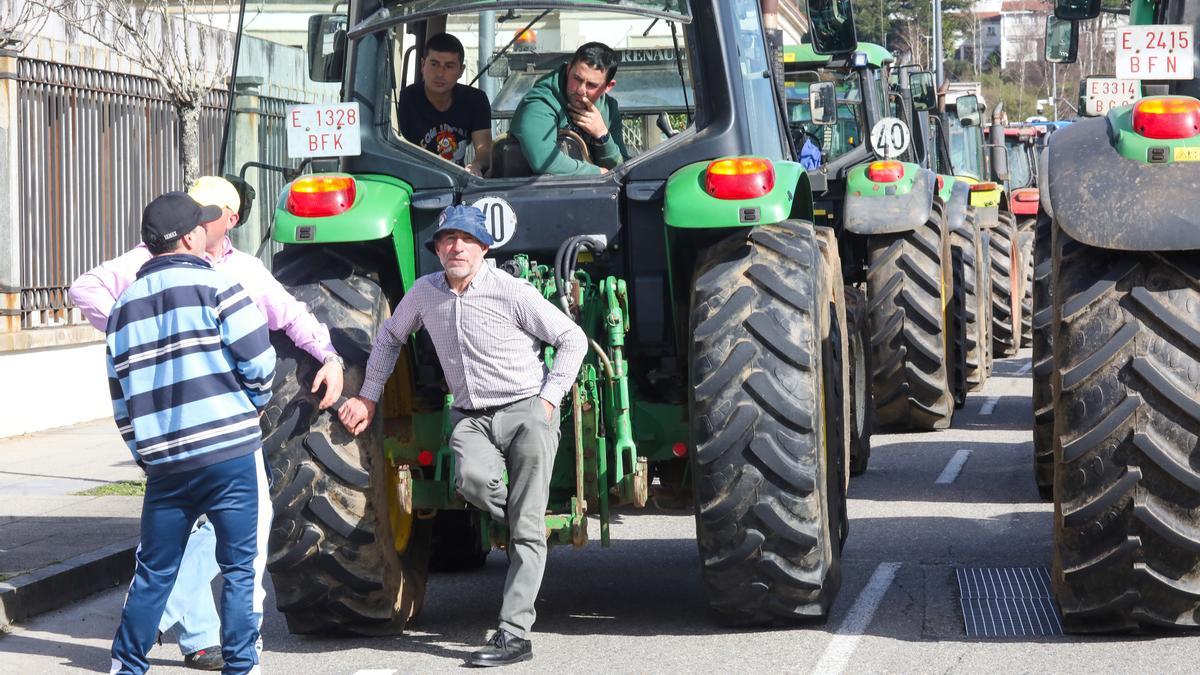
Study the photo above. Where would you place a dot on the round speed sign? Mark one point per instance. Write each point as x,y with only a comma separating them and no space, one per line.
501,219
889,138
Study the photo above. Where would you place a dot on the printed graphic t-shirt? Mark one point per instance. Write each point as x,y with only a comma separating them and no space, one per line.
446,134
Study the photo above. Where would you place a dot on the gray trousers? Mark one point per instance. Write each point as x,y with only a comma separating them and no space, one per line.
519,438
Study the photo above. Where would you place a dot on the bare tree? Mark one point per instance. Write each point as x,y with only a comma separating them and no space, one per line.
19,18
183,43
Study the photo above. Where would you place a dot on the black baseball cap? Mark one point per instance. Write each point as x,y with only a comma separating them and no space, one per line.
172,215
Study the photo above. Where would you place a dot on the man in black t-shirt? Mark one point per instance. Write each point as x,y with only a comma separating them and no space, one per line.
443,116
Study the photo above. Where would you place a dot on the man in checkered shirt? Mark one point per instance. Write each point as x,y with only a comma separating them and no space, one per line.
488,328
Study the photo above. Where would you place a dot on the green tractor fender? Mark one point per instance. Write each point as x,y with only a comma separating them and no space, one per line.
380,210
1104,190
888,208
687,205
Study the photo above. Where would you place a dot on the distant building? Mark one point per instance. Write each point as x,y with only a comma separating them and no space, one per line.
1007,32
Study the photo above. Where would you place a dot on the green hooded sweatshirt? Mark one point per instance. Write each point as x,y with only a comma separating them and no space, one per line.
543,112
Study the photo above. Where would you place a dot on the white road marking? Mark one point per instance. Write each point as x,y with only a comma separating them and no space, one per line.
989,405
844,642
381,671
1024,370
954,466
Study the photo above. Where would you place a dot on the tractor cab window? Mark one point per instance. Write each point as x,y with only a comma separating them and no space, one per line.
757,87
1020,170
889,86
515,55
834,140
965,148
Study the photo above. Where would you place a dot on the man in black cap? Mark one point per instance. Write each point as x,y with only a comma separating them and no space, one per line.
488,328
190,366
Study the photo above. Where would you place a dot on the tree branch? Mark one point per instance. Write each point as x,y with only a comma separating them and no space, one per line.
28,19
168,38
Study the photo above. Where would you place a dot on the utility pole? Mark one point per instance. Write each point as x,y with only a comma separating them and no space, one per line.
937,43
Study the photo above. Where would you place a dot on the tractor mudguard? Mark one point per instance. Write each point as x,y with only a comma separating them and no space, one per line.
987,217
1104,200
380,209
380,206
872,209
956,205
688,205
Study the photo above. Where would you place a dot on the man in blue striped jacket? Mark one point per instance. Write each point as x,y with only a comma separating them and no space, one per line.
190,367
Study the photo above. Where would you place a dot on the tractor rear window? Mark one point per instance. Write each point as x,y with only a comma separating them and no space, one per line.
965,148
756,85
518,54
1020,172
837,139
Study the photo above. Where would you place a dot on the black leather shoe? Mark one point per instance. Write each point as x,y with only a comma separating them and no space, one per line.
208,658
502,649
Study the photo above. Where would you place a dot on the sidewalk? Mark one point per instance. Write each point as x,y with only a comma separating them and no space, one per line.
57,546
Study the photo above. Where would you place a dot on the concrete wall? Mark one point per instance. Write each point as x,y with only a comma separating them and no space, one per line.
52,387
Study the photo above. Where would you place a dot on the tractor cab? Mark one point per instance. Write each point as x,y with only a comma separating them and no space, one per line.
858,84
1022,143
965,134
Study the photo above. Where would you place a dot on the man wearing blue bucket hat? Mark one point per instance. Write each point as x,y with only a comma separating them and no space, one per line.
488,328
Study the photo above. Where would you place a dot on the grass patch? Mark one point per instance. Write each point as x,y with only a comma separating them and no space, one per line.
121,488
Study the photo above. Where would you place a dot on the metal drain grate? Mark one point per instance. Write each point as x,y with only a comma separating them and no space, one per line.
1007,602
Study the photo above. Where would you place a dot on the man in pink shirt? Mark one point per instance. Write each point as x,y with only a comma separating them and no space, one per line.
191,613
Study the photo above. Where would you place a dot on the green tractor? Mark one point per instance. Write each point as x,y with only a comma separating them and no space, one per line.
713,305
1121,193
984,167
913,97
893,218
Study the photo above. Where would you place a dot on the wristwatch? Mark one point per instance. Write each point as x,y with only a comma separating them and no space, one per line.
335,358
603,139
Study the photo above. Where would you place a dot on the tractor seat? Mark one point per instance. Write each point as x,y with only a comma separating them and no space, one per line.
509,162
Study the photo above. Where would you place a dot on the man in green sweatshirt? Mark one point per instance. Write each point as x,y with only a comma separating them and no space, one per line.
576,97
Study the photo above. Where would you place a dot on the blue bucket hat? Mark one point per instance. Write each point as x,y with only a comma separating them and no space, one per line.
462,218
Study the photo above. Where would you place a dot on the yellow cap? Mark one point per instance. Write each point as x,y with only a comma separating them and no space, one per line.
215,191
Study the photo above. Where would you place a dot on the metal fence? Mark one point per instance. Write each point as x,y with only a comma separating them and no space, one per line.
95,147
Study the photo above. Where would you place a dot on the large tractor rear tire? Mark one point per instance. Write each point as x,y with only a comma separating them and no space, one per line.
1126,339
1043,404
341,556
909,289
1025,237
1006,287
768,466
837,355
970,329
862,403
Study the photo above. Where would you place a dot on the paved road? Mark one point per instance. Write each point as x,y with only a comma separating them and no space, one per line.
639,607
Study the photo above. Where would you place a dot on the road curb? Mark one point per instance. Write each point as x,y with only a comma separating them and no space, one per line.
60,584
